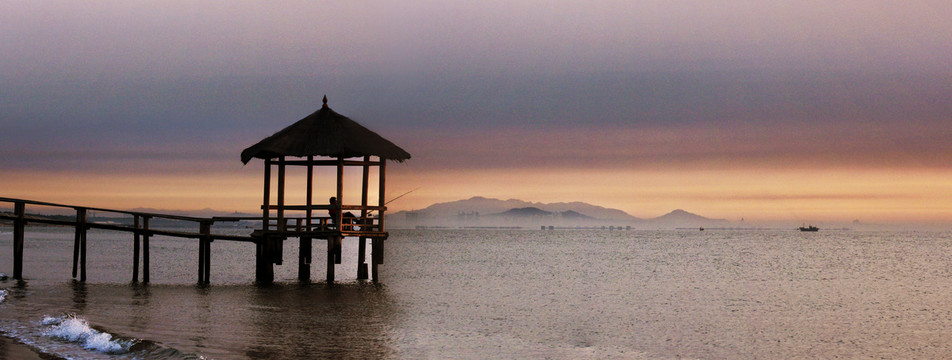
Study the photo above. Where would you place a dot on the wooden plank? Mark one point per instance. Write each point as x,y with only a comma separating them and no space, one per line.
126,212
330,162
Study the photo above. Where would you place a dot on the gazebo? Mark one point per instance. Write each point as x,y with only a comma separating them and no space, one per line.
330,140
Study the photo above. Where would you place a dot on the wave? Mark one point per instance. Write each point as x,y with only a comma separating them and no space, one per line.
3,295
77,330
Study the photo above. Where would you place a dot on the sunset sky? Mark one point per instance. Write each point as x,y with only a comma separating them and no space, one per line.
804,111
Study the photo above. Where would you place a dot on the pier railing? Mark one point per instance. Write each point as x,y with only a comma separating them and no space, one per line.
141,226
360,224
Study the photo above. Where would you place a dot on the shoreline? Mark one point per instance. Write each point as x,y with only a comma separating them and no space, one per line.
10,348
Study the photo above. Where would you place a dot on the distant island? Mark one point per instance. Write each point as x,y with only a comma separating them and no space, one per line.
487,212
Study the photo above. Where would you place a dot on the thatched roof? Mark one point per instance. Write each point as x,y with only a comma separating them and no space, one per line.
325,133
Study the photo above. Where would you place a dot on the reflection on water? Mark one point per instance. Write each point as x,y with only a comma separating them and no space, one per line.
519,294
339,321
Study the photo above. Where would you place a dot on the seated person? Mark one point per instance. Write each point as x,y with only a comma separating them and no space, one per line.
334,211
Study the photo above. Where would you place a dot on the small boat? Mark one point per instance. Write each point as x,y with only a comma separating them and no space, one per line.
809,228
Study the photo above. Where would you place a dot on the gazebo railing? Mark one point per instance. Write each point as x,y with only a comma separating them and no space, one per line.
371,225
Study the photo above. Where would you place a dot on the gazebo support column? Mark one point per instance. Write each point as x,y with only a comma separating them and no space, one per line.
331,252
362,241
264,267
361,258
304,260
376,257
266,208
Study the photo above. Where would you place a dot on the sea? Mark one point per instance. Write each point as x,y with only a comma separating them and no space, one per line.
497,294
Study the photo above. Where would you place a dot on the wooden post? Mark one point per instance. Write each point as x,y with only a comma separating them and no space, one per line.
331,240
135,250
381,198
310,193
208,259
18,233
264,269
361,258
362,241
281,166
340,193
82,246
375,251
203,250
80,219
304,260
145,248
266,203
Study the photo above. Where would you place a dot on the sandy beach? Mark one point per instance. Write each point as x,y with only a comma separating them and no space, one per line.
12,349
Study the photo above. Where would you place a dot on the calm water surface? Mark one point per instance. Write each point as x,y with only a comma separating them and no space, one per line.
500,294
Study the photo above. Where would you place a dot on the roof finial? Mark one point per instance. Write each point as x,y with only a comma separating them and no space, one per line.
325,100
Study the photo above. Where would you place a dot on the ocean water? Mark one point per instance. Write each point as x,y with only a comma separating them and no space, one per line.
479,294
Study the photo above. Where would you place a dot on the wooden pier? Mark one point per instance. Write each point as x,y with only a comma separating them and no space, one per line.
139,228
323,139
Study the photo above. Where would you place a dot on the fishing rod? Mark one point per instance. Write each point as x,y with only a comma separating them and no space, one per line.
394,199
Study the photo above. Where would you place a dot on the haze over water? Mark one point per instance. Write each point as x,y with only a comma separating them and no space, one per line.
507,294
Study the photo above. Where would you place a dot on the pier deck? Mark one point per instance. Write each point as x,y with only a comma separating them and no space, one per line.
268,237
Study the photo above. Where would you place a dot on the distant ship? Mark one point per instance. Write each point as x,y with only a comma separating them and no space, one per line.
809,228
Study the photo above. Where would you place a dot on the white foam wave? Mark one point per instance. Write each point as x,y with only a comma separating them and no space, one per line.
3,295
77,330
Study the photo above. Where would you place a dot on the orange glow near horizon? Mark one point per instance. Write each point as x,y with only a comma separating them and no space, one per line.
809,195
907,195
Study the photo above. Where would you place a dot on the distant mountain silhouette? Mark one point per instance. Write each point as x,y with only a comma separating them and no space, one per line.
572,214
684,217
487,206
481,211
524,212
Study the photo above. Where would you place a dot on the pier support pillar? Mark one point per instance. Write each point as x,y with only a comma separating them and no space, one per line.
136,240
376,257
204,256
264,267
332,245
18,229
78,239
145,249
361,258
81,232
304,260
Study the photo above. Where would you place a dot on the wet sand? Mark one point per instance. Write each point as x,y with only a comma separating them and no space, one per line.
12,349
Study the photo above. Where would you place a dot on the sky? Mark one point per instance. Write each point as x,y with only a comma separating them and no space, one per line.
804,111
